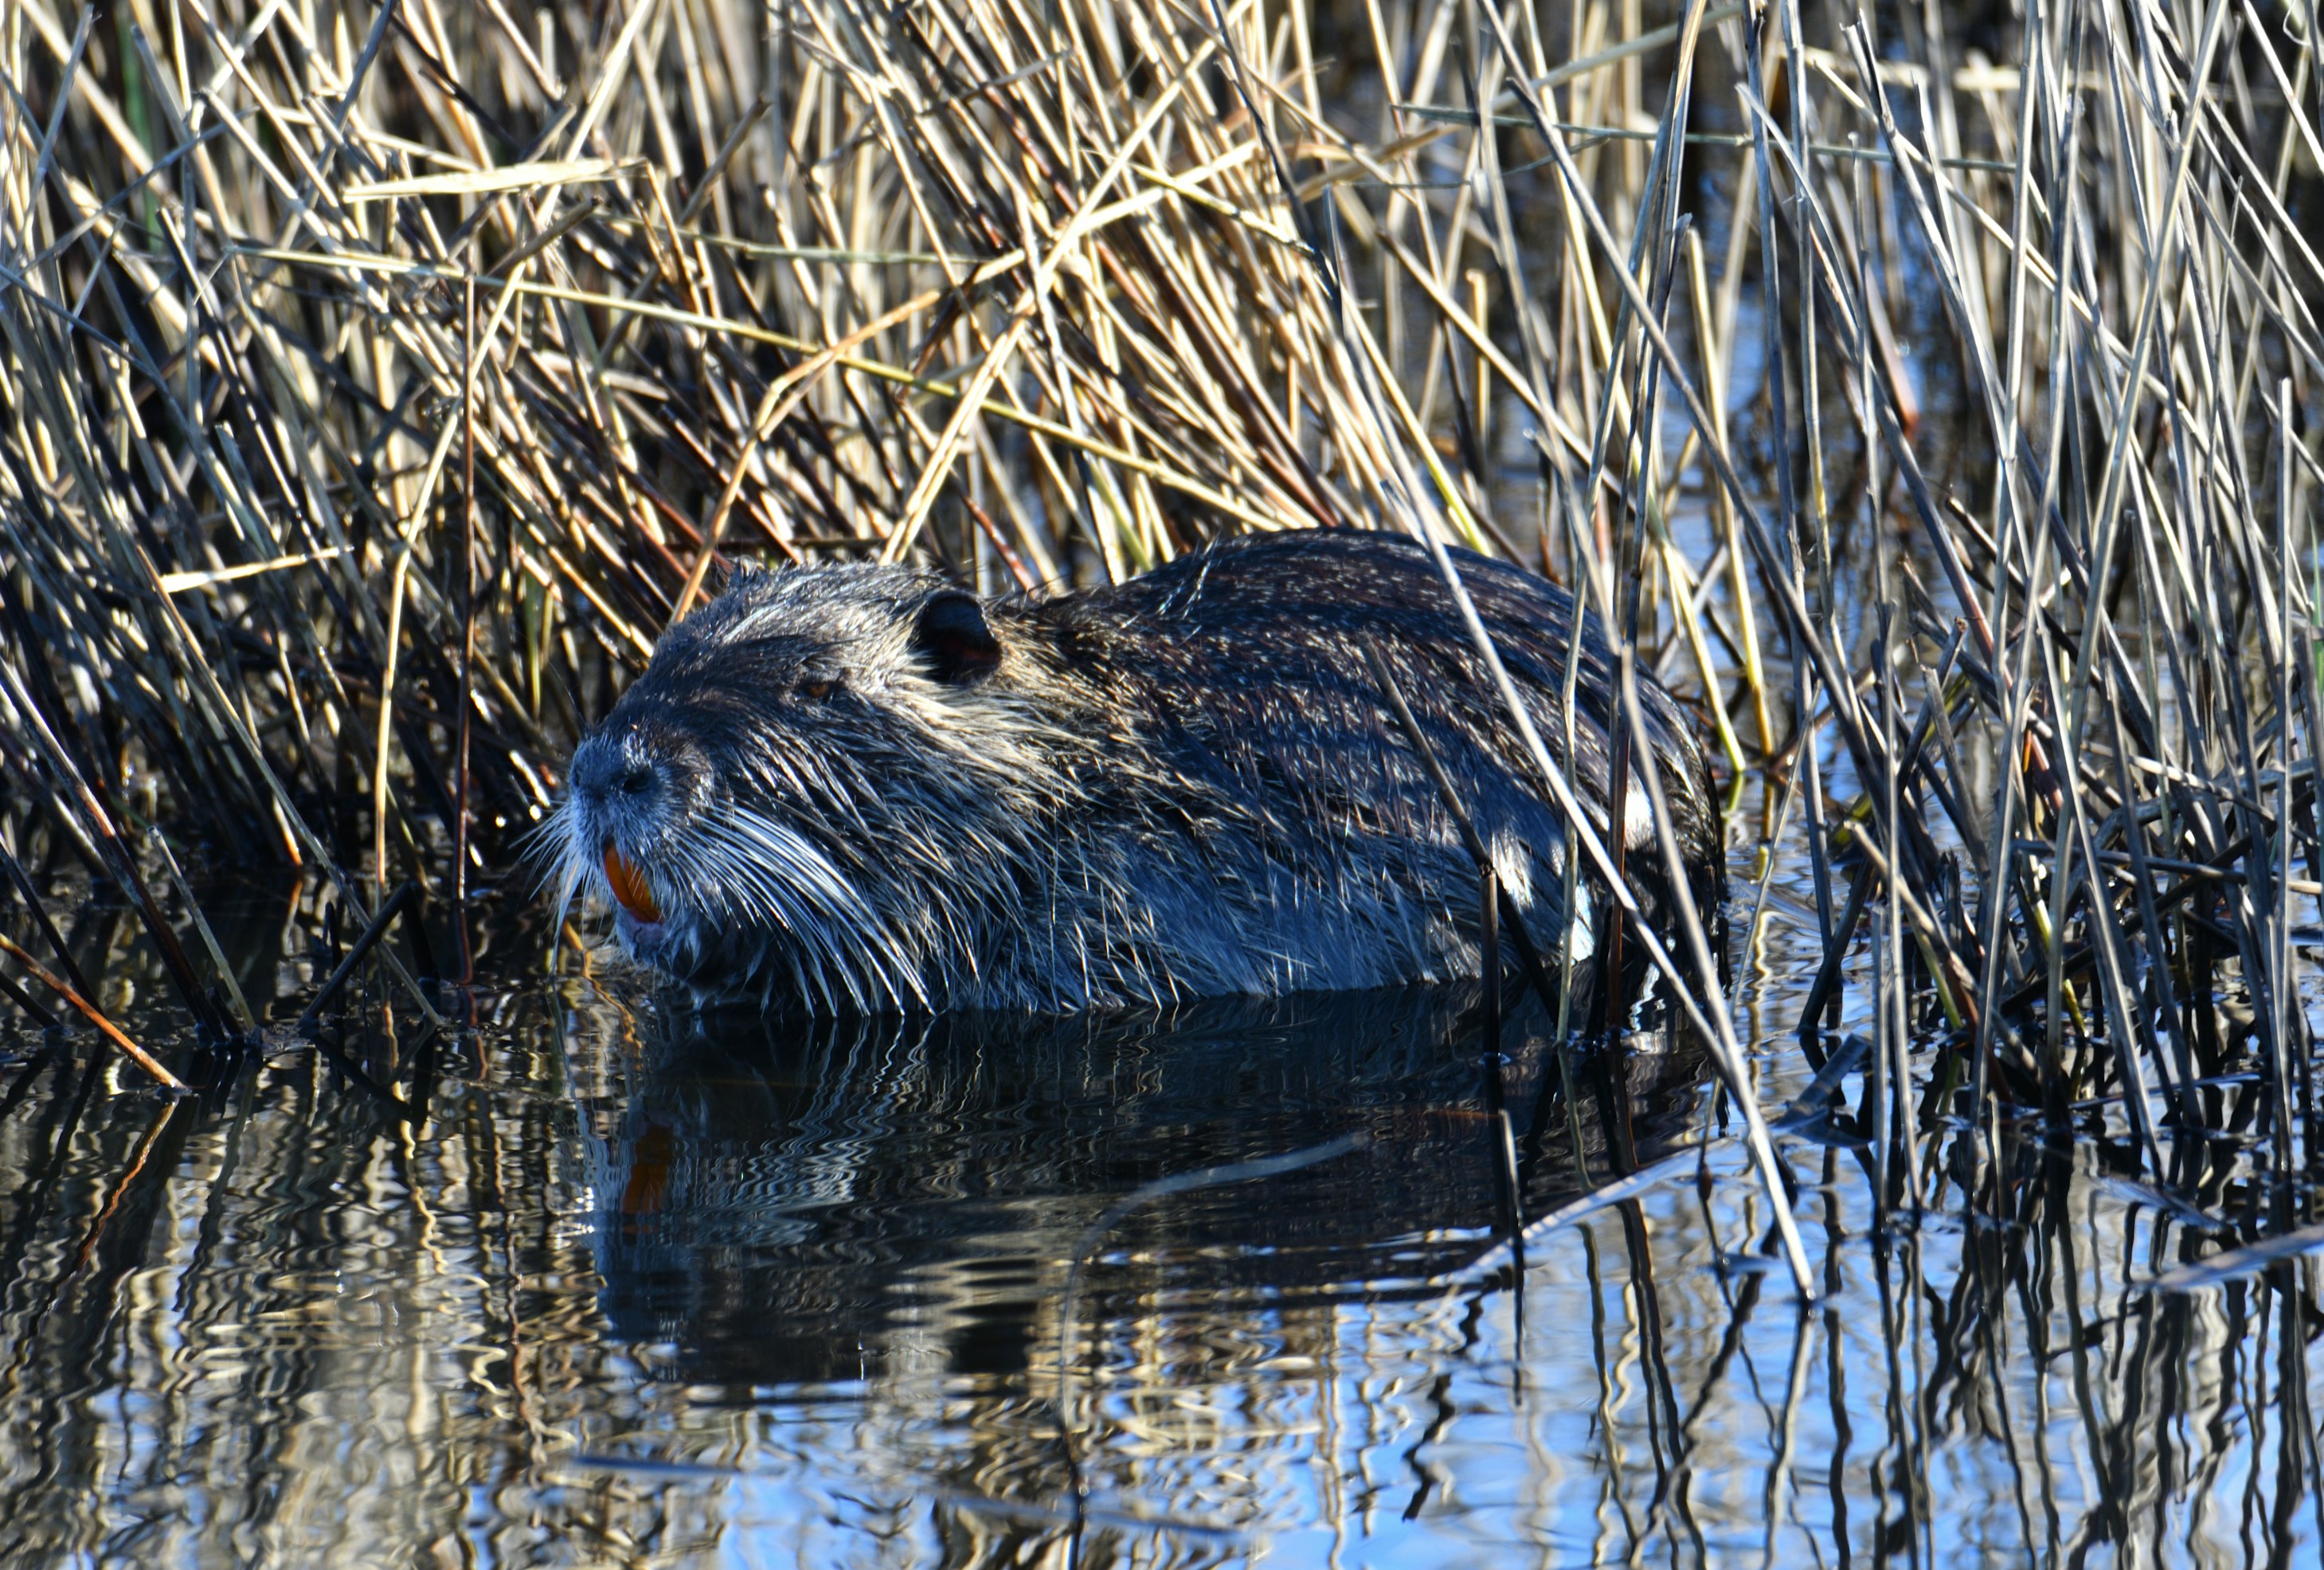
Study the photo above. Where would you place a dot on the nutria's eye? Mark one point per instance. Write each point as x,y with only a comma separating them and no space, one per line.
815,689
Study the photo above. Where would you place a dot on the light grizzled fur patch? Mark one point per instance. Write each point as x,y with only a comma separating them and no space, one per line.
858,788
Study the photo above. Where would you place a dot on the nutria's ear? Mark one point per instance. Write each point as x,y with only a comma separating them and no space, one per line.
952,637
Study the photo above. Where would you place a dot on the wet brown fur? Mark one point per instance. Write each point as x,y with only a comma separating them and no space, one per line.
860,789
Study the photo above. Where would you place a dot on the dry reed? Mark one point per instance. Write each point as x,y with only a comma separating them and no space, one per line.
380,380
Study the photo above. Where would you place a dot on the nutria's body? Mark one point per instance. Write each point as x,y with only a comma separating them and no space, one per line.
860,789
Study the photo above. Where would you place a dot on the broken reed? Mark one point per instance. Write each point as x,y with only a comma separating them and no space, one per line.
381,380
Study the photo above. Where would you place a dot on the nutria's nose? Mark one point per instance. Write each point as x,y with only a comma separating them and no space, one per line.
619,770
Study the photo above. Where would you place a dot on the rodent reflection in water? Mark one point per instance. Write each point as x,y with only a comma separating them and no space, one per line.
858,788
793,1202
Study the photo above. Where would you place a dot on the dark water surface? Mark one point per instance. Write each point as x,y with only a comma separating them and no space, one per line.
599,1283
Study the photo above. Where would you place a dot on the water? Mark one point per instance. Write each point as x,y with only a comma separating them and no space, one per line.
598,1283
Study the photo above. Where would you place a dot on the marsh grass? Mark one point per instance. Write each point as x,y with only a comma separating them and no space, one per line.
1928,396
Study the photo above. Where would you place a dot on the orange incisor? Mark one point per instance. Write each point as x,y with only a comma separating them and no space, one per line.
629,886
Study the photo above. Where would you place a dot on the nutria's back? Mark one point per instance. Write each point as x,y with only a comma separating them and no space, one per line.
860,788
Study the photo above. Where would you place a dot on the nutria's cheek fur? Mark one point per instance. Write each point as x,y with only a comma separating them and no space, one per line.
858,789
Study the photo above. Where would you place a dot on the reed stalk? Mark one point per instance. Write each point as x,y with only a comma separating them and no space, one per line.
380,381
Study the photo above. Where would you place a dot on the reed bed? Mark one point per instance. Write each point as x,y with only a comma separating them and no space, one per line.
1928,395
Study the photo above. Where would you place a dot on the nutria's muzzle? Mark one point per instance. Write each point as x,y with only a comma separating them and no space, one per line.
633,791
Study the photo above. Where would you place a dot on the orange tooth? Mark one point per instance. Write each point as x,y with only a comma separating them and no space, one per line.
629,886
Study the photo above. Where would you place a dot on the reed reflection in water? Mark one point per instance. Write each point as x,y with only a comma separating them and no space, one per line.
609,1284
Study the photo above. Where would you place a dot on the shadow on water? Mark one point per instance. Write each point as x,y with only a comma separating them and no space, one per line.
800,1203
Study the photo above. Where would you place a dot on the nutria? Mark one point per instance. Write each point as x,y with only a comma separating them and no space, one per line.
863,789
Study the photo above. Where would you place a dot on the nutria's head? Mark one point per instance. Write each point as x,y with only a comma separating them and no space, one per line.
819,781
